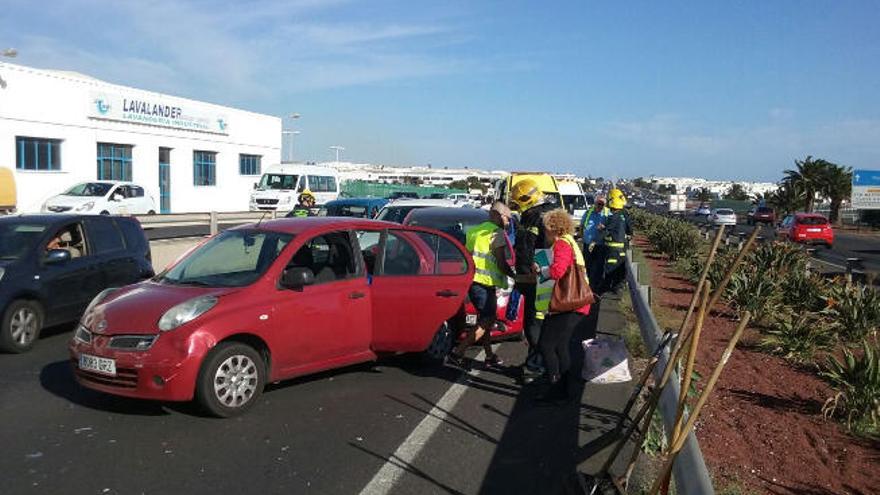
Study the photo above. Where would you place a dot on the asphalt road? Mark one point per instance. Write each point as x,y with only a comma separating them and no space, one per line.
864,246
336,432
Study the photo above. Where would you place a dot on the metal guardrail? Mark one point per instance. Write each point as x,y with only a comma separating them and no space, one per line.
690,472
179,225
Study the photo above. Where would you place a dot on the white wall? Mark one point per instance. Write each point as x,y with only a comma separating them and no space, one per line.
49,104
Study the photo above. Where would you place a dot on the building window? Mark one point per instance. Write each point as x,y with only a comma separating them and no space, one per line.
37,153
114,161
249,164
204,168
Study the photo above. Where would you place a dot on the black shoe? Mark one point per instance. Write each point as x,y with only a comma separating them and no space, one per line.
458,360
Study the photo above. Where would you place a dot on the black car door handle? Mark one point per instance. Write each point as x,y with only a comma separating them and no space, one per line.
356,295
447,293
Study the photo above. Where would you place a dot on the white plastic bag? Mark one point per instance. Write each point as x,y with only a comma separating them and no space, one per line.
605,361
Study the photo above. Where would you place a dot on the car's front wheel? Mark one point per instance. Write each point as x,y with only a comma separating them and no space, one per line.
231,379
22,322
441,345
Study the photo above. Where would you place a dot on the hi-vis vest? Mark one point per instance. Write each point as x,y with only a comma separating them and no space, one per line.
479,242
544,290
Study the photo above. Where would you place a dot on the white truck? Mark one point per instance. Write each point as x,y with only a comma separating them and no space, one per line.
677,203
280,186
574,199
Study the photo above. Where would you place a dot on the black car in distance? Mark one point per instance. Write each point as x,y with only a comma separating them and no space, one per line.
52,266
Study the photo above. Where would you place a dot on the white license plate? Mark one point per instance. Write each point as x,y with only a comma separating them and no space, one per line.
814,230
470,319
97,364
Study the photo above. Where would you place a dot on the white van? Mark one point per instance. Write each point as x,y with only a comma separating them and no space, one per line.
574,200
280,186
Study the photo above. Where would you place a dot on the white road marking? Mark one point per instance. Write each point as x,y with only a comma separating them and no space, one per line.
396,465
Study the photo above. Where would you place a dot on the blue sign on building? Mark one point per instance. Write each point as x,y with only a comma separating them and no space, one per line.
866,189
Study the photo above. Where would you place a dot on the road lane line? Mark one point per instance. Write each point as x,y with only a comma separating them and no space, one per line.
397,464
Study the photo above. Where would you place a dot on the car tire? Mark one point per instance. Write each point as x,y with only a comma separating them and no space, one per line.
829,246
21,326
151,212
105,212
230,380
441,344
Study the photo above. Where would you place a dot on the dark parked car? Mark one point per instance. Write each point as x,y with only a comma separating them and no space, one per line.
52,266
763,214
352,207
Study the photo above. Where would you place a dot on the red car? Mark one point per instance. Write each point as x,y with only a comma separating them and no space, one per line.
763,214
455,222
271,301
807,228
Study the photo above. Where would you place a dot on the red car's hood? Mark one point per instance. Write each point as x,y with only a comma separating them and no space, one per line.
136,309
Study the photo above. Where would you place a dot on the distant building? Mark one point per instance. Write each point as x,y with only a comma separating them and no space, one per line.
60,128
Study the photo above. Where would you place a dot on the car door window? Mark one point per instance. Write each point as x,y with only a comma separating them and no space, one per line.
329,256
447,259
70,238
370,243
105,237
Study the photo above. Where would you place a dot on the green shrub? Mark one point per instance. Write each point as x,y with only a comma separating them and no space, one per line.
856,378
855,310
804,292
797,338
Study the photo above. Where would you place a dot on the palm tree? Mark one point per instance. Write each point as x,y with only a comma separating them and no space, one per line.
836,186
788,198
809,176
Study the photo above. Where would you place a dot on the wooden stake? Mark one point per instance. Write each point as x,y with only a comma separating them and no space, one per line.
676,445
703,276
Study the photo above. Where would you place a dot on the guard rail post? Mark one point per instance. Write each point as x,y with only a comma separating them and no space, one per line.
809,266
213,222
689,470
851,264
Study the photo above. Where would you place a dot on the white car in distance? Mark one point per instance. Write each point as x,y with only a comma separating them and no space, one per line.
724,216
103,197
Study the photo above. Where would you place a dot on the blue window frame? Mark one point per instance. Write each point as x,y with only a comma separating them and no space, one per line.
204,168
37,153
114,161
249,164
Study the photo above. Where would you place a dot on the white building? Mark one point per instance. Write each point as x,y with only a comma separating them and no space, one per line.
60,128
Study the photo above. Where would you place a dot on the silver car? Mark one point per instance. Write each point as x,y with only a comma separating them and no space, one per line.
724,216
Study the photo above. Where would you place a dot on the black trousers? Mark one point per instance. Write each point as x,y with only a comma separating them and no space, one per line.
531,326
596,265
556,341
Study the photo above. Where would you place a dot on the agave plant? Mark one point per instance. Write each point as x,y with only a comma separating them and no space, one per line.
854,309
804,292
797,338
857,381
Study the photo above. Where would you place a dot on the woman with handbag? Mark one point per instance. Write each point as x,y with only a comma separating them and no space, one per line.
569,304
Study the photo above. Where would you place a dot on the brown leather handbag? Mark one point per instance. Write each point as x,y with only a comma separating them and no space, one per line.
572,291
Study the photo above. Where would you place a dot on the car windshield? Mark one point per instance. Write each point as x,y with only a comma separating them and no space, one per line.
278,181
396,213
575,202
93,189
724,211
356,211
765,210
234,258
19,239
812,221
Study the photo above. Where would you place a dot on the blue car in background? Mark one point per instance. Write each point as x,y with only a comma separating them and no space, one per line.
353,207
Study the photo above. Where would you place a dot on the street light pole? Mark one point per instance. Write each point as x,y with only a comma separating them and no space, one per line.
337,149
289,132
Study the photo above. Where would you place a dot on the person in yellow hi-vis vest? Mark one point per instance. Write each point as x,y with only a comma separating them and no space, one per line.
488,246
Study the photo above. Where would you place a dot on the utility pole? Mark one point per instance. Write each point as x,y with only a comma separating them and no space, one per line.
292,133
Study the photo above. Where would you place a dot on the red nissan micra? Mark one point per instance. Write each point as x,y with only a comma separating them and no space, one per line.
270,301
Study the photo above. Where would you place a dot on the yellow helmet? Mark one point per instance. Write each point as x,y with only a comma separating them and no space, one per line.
306,194
525,194
617,202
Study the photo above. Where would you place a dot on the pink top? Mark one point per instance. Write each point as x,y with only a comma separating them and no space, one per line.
563,257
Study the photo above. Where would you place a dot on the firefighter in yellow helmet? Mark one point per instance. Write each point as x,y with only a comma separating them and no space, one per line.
527,198
306,202
617,228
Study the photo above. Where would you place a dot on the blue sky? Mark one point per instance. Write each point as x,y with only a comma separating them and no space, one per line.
726,89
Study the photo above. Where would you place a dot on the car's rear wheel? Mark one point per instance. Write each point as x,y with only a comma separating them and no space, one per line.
441,345
105,212
151,212
22,322
231,379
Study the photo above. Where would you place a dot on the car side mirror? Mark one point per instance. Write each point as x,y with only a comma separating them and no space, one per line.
296,278
55,256
255,185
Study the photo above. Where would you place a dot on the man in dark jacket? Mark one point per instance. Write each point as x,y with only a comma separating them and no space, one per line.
527,198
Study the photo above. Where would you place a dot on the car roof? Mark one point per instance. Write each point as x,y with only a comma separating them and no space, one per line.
299,226
422,202
357,202
47,219
809,215
449,213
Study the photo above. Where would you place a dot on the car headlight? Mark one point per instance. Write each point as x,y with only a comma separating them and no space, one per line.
86,206
285,200
186,312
